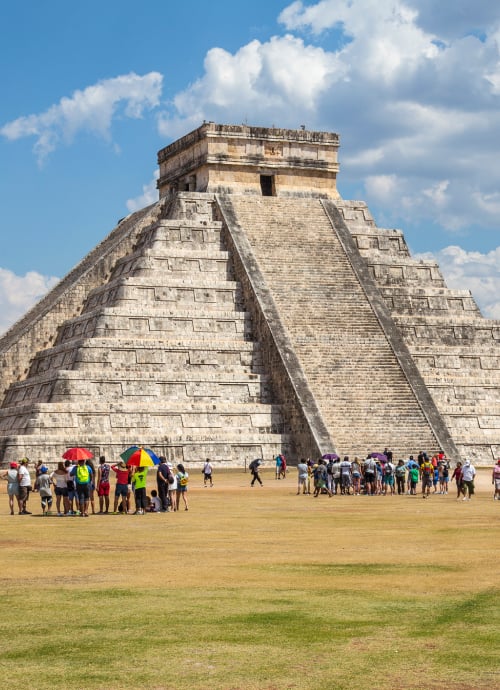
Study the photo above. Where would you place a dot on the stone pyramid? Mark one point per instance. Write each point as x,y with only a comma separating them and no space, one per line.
251,311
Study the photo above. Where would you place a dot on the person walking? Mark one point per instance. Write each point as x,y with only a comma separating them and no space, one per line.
254,469
172,488
302,477
207,473
277,462
468,474
458,477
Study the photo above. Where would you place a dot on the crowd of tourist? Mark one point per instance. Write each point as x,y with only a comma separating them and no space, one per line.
79,487
378,475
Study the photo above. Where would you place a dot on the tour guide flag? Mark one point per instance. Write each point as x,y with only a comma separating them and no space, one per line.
140,457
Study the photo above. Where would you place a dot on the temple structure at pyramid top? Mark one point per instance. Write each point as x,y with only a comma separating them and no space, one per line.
239,159
251,311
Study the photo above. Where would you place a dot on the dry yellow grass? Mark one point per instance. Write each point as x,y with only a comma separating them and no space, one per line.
255,588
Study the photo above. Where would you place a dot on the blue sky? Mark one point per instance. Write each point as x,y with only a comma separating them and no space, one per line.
91,91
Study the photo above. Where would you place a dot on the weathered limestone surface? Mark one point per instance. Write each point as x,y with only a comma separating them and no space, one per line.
456,350
161,354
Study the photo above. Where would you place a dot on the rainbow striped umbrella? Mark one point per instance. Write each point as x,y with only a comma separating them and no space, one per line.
140,457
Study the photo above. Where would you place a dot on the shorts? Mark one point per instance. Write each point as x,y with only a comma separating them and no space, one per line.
369,477
46,501
389,480
207,476
103,489
23,493
72,495
13,489
121,490
497,484
426,482
61,491
83,492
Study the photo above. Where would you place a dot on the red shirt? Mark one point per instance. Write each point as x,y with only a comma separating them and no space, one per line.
121,475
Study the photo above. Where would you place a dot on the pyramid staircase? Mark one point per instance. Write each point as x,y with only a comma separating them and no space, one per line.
455,348
363,393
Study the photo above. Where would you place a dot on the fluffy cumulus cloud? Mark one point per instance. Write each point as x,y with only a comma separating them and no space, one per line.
149,195
412,86
91,109
19,293
473,271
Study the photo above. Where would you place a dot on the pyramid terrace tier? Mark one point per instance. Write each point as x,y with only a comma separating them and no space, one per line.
153,320
204,292
79,418
162,386
145,355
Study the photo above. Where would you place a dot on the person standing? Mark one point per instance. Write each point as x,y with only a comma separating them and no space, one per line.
24,479
172,488
468,474
495,480
164,479
182,485
278,467
59,479
345,476
283,467
356,476
12,479
369,471
458,477
121,489
103,486
400,473
302,477
44,488
427,476
139,479
207,473
82,475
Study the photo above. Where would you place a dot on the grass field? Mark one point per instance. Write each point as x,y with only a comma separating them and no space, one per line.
255,589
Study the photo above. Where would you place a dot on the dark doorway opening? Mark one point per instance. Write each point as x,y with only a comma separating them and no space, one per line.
267,186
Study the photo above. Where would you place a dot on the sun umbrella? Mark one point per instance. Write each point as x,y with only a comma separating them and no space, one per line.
140,457
379,456
77,454
330,456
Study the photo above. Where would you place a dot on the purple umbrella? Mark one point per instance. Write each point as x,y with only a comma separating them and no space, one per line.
330,456
379,456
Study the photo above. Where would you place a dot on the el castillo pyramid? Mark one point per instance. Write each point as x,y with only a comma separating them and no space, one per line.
251,311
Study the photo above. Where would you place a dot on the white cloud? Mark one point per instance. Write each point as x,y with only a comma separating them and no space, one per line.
474,271
414,96
19,293
149,195
91,109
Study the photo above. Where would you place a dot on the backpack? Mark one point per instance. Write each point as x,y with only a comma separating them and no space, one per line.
82,474
388,470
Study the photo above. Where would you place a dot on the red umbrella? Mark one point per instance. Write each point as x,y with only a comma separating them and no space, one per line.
77,454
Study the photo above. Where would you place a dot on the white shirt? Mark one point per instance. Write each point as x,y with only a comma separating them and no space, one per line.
24,476
468,473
